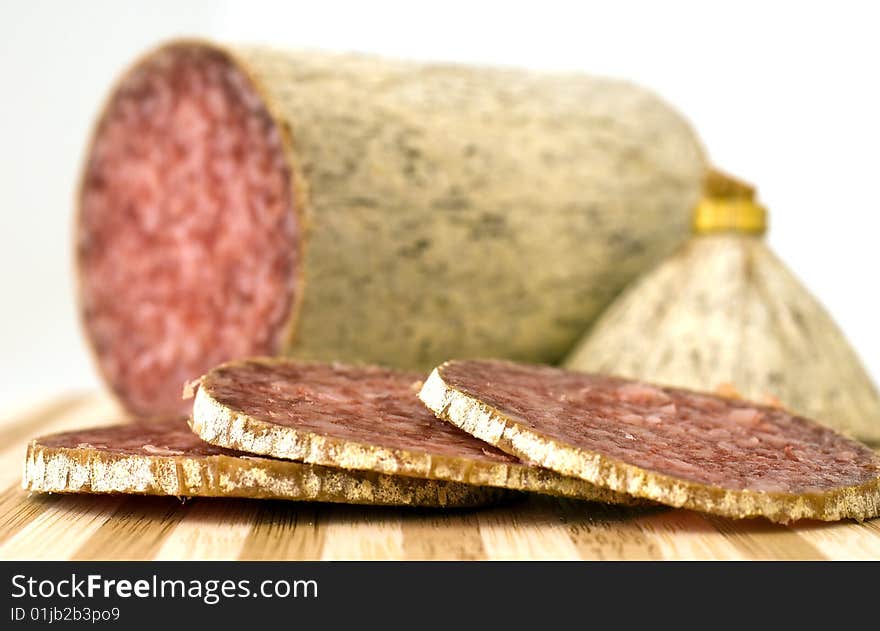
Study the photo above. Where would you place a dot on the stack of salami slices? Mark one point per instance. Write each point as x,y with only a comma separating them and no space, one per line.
469,433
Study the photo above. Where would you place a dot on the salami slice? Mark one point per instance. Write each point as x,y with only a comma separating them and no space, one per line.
360,418
677,447
166,458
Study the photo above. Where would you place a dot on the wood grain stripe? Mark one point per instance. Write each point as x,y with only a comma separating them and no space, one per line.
528,531
843,541
212,529
605,532
762,540
437,535
686,535
60,528
17,510
361,532
136,530
288,531
872,526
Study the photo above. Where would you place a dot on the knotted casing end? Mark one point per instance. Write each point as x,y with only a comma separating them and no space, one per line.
728,205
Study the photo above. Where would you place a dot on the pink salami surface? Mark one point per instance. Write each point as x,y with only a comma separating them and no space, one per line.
367,405
164,437
188,243
700,438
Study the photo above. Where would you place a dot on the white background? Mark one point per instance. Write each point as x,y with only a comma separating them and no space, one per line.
784,94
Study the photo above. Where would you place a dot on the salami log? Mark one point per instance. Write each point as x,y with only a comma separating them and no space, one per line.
362,418
165,458
244,201
677,447
724,309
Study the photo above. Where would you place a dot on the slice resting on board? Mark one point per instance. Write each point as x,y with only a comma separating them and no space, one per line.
676,447
165,458
357,417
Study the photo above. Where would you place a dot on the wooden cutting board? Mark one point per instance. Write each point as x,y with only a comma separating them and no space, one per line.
130,527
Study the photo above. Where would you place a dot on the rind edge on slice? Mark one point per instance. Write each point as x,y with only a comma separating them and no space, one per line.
84,470
217,424
493,426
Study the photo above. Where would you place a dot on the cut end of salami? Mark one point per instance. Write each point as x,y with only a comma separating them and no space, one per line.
188,235
673,446
165,458
360,418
